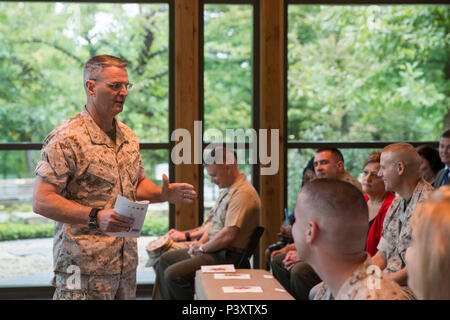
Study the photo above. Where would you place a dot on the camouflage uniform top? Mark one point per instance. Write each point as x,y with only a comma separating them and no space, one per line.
396,236
91,170
366,283
238,205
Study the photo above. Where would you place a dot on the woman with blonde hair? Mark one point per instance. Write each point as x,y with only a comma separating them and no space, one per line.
428,258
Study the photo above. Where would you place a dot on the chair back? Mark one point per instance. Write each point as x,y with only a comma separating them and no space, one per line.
250,248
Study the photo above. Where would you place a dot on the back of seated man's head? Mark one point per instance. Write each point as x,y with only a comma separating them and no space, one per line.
328,163
338,213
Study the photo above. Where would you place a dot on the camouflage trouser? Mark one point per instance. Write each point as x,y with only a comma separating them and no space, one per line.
93,287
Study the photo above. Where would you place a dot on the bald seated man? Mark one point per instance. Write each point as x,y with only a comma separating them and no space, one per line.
330,234
399,169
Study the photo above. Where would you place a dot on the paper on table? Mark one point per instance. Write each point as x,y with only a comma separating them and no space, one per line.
133,210
231,276
242,289
219,268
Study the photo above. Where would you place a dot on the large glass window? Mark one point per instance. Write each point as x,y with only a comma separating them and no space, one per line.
367,73
228,65
228,82
364,73
43,47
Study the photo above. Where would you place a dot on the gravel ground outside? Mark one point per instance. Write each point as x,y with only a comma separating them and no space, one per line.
31,260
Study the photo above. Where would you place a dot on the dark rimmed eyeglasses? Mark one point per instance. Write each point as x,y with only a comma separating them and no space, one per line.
116,86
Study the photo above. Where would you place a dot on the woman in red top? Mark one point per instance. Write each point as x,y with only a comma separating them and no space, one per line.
378,200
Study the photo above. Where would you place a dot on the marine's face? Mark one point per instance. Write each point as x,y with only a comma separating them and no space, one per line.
388,171
325,165
109,100
218,174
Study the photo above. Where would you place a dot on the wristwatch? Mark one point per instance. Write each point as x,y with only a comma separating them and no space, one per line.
93,224
200,250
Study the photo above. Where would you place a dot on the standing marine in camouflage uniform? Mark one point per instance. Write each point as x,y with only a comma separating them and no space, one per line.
85,163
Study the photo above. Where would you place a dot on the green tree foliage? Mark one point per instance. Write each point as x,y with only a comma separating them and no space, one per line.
43,47
365,73
154,226
228,84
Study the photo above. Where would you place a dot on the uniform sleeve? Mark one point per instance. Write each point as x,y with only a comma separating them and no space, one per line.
141,172
55,164
383,246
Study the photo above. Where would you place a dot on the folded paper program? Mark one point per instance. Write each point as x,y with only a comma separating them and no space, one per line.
132,210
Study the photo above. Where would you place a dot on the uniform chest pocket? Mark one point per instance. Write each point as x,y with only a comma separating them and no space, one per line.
99,178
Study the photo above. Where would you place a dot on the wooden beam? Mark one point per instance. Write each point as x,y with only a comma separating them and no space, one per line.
272,108
187,99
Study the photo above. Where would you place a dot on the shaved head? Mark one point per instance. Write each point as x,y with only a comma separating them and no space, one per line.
340,212
405,153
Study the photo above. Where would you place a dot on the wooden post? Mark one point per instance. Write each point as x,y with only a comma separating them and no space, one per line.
272,115
187,99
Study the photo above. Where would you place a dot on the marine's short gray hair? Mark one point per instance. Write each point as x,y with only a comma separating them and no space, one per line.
96,64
